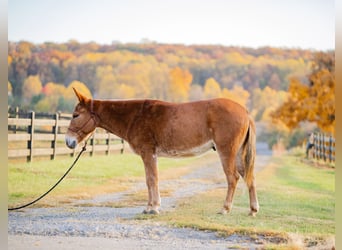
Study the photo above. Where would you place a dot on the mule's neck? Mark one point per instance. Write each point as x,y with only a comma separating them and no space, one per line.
117,116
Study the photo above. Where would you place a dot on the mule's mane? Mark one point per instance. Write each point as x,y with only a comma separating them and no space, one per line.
116,116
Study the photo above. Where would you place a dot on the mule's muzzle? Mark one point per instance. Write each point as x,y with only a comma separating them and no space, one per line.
70,142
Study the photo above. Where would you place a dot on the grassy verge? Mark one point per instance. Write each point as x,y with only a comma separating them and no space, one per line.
91,176
296,205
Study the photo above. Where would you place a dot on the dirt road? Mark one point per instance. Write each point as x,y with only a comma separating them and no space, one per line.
77,226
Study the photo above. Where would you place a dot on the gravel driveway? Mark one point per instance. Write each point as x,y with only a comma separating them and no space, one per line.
76,226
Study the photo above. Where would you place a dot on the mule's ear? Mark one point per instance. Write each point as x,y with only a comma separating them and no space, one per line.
80,97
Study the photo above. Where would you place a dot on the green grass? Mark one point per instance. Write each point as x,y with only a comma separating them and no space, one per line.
294,199
90,174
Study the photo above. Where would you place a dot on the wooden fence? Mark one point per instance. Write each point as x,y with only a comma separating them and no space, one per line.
36,135
324,148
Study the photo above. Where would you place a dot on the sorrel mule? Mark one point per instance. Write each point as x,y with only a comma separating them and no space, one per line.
155,128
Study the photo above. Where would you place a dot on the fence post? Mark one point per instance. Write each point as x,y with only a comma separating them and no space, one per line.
320,147
55,132
315,155
123,146
30,143
324,148
92,143
108,143
16,116
330,148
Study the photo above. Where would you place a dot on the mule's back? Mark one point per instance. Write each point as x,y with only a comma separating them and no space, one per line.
187,129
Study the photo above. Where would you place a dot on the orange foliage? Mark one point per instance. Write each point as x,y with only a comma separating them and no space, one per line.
313,102
53,89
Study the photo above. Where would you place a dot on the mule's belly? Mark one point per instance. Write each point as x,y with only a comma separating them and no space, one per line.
185,152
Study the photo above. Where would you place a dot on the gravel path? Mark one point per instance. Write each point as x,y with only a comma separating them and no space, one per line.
76,226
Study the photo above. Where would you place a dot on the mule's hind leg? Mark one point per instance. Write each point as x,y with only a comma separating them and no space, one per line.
232,176
151,172
253,199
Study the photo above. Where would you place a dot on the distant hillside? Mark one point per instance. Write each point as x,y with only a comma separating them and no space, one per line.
164,71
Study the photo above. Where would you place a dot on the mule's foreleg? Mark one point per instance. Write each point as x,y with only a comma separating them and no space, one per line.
151,172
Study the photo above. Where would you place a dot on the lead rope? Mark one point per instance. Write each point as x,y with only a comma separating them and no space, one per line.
72,165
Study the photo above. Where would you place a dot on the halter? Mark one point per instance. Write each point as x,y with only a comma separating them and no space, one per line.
92,107
92,117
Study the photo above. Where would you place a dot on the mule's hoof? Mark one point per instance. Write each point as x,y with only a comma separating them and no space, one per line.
150,211
223,211
252,213
154,211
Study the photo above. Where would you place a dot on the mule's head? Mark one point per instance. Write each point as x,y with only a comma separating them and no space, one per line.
83,121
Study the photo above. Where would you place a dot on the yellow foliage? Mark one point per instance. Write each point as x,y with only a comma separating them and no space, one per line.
105,81
237,94
180,81
9,60
125,92
212,89
32,87
266,101
237,58
45,105
9,88
24,49
314,102
135,75
81,87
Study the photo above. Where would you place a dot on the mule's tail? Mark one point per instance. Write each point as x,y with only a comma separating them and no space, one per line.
249,152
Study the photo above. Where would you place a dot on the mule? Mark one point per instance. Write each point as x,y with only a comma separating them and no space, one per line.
156,128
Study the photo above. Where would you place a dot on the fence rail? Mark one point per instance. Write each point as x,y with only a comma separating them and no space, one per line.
324,147
33,135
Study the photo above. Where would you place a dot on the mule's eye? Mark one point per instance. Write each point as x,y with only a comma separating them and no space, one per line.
75,116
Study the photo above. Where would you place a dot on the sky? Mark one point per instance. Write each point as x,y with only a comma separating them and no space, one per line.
304,24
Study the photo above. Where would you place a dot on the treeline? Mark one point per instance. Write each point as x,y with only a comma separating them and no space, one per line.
41,76
169,72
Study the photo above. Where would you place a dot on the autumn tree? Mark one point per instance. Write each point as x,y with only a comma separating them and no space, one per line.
161,71
53,99
265,101
212,88
159,78
133,80
9,88
9,93
80,86
105,80
237,94
18,67
196,92
180,81
314,100
32,87
53,89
